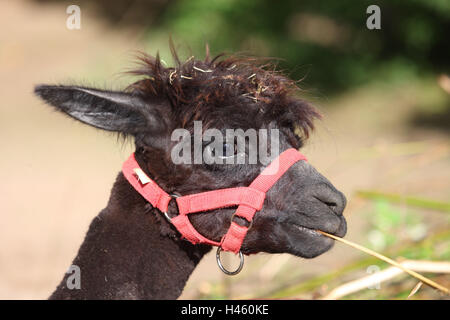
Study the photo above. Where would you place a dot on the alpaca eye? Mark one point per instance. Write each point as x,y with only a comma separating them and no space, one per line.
228,150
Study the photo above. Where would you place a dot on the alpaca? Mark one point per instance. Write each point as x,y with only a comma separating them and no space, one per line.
131,251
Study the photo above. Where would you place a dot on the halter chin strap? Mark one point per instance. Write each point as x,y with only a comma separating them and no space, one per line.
248,199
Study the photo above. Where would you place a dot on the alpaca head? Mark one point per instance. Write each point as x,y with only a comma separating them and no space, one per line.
219,95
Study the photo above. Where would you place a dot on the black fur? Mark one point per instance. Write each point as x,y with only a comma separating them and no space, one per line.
130,252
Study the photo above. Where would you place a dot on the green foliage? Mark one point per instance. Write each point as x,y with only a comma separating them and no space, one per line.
412,201
390,224
327,41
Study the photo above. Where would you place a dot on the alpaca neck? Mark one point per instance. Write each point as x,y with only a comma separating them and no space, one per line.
125,256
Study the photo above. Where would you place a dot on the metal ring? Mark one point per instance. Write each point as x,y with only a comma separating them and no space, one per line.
173,195
167,216
230,273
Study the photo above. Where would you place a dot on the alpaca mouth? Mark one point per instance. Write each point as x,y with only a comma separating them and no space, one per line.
314,232
309,231
309,242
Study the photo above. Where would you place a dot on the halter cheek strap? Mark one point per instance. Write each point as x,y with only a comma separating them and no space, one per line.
248,199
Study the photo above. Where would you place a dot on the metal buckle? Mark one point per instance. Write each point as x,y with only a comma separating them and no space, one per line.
230,273
174,196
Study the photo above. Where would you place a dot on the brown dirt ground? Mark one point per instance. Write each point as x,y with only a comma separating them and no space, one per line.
56,174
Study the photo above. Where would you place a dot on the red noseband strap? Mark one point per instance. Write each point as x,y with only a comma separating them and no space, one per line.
248,199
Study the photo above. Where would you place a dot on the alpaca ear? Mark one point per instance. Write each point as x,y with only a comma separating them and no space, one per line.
108,110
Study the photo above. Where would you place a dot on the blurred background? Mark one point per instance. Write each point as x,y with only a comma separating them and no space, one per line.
384,140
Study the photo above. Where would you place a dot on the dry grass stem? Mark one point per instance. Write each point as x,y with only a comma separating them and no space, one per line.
415,289
388,260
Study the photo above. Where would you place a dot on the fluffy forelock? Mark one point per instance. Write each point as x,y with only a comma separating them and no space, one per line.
197,89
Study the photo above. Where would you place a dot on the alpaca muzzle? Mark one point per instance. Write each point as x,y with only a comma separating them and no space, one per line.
248,200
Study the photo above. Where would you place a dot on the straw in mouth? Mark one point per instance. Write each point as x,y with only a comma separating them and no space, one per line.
388,260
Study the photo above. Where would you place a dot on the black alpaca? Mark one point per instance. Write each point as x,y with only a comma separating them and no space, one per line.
130,250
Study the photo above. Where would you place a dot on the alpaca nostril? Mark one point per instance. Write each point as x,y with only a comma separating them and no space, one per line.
334,199
339,204
332,205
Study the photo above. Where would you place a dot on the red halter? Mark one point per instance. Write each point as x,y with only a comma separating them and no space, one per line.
248,199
